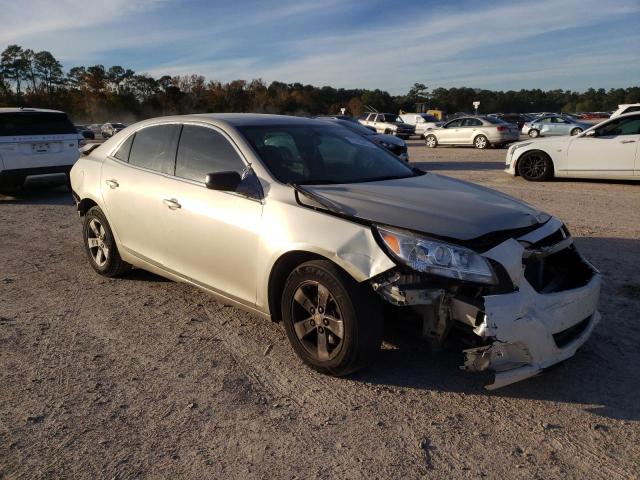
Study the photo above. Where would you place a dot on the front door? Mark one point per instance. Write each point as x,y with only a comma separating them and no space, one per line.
212,236
613,149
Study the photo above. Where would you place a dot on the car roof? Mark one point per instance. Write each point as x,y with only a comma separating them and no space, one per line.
251,119
27,110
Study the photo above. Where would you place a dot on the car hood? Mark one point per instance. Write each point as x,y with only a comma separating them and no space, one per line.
432,204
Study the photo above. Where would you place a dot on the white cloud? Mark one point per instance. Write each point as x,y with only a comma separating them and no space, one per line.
443,46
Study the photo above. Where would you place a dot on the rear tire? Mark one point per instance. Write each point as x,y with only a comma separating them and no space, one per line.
100,245
481,142
535,166
431,141
576,131
332,322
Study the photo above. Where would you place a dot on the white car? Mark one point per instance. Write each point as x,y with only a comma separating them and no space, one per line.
36,142
626,108
421,121
608,150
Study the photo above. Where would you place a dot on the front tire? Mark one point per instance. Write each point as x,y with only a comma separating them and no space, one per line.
481,142
533,133
100,245
576,131
431,141
535,166
332,322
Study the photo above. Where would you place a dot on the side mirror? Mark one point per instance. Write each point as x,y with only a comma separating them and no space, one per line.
223,181
591,133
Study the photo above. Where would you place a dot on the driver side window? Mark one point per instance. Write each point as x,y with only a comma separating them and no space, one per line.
202,151
453,124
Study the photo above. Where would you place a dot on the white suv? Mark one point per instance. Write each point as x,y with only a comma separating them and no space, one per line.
36,142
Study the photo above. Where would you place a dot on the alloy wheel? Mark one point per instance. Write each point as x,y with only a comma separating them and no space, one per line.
480,142
317,320
534,166
95,240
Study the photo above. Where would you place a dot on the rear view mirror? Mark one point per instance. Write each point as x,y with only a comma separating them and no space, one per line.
223,181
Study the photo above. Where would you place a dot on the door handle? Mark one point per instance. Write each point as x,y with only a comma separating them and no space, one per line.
172,203
628,141
112,184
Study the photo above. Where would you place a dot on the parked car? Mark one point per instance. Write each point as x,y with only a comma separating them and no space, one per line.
517,119
626,108
96,128
85,132
388,123
481,132
421,122
35,141
607,150
310,225
553,125
109,129
395,145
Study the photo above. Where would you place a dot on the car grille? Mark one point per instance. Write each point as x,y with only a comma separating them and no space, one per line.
565,337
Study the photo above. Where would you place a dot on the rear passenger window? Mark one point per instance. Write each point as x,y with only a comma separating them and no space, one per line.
123,152
203,150
155,148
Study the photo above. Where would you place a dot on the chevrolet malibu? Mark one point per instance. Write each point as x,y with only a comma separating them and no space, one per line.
308,224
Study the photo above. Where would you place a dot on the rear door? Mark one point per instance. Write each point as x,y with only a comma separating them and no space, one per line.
212,235
37,140
469,129
135,182
613,151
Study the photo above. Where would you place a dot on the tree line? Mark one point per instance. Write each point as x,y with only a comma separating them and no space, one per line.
97,94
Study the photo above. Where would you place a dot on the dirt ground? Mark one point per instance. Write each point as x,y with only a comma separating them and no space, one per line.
139,377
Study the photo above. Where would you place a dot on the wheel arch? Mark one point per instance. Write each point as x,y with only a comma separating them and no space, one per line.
85,204
280,271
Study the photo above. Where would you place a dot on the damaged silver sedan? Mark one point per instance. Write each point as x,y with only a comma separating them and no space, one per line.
306,223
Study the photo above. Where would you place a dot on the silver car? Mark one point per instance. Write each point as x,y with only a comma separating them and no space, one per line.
481,132
309,224
554,125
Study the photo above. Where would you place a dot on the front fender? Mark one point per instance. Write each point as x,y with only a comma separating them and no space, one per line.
290,228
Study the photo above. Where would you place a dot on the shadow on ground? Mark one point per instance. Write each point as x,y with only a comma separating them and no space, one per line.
38,191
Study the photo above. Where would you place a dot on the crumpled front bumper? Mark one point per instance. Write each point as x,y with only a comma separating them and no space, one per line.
530,331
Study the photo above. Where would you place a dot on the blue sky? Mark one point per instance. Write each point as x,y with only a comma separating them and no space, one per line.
570,44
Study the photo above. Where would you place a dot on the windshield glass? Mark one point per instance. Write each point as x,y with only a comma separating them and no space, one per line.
304,154
35,123
118,125
429,118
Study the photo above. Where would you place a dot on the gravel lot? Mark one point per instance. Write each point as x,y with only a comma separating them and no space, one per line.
142,377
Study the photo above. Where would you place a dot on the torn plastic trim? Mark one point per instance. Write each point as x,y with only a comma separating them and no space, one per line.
521,325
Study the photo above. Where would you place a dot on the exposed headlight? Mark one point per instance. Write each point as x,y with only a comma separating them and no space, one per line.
436,257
